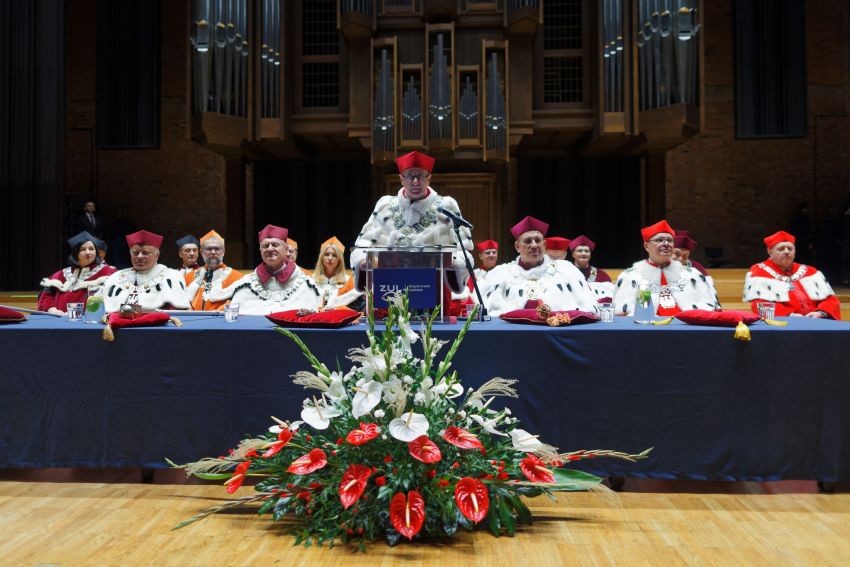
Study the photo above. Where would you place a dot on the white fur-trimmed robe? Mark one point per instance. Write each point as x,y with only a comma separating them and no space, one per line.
558,283
154,289
771,289
398,222
690,288
255,298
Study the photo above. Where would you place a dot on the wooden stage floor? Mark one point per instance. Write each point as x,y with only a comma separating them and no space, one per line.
108,518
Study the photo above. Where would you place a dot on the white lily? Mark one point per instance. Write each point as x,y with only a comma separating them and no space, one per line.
367,395
488,425
317,415
525,441
336,389
282,425
442,389
409,426
394,391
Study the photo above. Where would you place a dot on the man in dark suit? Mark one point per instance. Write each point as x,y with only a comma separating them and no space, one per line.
89,222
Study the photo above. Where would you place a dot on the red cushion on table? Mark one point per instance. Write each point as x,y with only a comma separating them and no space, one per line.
11,316
716,318
333,319
530,317
146,320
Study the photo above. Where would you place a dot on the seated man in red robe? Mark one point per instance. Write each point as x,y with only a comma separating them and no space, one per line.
796,289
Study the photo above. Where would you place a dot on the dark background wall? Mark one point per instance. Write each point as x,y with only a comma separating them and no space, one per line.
31,140
173,189
732,192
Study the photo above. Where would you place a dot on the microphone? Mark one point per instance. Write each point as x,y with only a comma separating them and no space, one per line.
456,219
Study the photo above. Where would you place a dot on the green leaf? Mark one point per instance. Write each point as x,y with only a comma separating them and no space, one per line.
213,476
280,508
493,523
505,516
568,480
267,505
522,511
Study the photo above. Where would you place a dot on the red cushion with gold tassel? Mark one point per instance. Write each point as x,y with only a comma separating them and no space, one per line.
119,321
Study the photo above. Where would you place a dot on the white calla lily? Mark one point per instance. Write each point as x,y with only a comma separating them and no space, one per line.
525,441
409,426
488,425
319,416
367,396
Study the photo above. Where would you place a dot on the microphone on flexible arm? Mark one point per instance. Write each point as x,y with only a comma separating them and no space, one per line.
456,219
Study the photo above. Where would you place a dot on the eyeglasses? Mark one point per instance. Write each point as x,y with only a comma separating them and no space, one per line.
662,240
212,249
412,178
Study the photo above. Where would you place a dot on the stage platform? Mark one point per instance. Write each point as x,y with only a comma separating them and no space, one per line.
713,407
98,523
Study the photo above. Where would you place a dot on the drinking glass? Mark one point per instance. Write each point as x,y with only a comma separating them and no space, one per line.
644,308
94,307
75,312
767,310
606,312
231,313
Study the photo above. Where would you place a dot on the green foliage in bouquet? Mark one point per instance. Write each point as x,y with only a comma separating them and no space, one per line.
395,447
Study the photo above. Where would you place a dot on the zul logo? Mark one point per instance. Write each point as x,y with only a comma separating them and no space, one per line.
386,288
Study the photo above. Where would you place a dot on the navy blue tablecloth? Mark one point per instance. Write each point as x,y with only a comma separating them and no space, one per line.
713,407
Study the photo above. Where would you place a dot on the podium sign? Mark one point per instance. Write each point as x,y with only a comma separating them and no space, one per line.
422,285
421,271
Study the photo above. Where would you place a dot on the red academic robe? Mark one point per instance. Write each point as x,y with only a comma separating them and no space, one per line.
801,289
63,287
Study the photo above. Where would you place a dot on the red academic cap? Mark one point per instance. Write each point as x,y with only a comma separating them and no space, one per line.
487,245
529,223
682,240
415,159
557,243
144,237
778,237
272,231
657,228
582,240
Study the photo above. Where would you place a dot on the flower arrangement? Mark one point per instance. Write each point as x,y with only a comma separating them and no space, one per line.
396,448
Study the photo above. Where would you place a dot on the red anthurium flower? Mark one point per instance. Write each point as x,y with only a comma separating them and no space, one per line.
353,484
472,498
533,469
365,432
462,438
312,461
238,477
407,514
282,439
424,449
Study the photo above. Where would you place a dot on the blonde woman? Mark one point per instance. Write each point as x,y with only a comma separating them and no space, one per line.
331,277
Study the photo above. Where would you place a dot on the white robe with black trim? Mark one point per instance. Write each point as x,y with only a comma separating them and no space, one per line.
255,298
558,283
399,222
689,287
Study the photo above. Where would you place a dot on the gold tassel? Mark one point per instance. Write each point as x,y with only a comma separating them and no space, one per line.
107,334
742,332
663,321
177,322
776,323
558,319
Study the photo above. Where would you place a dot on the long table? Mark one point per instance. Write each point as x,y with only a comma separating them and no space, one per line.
711,406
